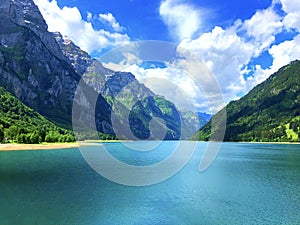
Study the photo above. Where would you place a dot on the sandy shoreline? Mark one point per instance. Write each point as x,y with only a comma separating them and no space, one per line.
51,146
44,146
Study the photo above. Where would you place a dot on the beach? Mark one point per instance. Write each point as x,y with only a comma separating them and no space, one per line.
43,146
53,146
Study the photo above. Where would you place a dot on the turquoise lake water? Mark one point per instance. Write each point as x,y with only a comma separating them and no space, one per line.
246,184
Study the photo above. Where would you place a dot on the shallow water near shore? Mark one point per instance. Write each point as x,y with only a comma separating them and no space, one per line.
246,184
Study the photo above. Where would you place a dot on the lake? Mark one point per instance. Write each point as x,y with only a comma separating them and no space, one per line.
246,184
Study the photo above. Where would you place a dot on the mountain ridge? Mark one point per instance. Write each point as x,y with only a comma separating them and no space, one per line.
124,93
269,112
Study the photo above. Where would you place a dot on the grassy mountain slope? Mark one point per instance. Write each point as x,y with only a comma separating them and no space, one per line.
19,123
269,112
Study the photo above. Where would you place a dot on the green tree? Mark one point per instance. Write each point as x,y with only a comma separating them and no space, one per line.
1,134
22,138
12,132
35,138
52,136
69,138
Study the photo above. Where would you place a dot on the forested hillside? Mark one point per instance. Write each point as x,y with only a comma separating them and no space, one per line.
19,123
269,112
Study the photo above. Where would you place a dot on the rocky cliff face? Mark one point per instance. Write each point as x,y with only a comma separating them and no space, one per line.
107,82
79,59
32,65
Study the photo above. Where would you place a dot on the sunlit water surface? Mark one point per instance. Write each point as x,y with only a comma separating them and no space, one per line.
246,184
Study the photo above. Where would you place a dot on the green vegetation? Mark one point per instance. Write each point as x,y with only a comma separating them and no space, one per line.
269,112
84,135
165,106
154,107
141,114
21,124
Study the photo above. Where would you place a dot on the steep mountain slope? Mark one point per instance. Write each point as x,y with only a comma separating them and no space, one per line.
32,66
205,117
22,124
124,94
269,112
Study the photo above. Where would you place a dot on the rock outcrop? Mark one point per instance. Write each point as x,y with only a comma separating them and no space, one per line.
32,65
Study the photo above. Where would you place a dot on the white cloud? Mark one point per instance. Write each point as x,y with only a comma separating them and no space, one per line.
171,82
89,16
109,18
225,53
228,52
182,19
284,53
68,21
128,59
262,27
292,8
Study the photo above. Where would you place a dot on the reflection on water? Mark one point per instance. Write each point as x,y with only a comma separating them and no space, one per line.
246,184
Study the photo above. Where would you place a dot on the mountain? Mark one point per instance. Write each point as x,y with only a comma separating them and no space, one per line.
129,98
205,117
32,66
22,124
44,70
269,112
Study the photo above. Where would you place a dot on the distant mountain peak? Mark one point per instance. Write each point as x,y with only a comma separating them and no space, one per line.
25,13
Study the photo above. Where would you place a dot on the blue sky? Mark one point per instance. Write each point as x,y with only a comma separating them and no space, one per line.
241,42
142,20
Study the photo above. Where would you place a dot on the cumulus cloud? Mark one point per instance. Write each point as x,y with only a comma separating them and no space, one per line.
182,19
284,53
111,20
89,16
292,8
68,21
225,53
228,52
171,82
262,27
128,58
